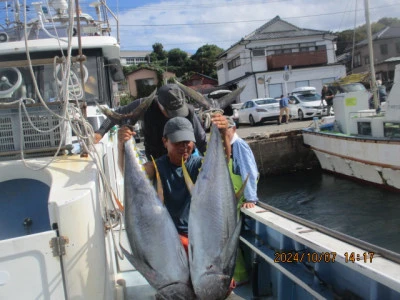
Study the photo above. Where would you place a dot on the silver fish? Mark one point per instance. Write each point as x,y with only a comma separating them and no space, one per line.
214,227
134,115
157,252
221,103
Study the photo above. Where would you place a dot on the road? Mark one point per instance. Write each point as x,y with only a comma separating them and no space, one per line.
265,129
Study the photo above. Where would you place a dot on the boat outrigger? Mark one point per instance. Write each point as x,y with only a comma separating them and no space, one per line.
61,225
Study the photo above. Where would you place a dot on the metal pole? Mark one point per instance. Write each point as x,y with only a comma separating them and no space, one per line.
265,88
371,55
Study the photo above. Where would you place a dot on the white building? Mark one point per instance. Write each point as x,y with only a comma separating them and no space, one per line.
133,57
278,57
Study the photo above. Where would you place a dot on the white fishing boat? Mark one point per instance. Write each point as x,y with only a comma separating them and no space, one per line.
61,225
59,221
359,142
363,143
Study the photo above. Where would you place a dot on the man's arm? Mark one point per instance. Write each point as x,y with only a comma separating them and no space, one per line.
244,157
108,123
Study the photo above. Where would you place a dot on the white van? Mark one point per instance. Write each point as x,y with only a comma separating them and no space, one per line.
305,102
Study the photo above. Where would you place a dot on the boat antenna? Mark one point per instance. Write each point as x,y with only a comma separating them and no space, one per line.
371,55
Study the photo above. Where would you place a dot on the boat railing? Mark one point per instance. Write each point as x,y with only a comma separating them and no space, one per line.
54,24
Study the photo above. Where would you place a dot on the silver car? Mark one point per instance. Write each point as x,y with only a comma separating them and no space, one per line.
259,110
307,104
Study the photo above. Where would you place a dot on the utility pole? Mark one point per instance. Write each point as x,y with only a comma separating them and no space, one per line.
371,55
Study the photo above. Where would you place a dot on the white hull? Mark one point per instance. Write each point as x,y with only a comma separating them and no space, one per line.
372,160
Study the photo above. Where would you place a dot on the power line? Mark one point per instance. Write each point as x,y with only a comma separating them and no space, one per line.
243,21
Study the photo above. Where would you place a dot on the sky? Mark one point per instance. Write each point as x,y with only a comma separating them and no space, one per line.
190,24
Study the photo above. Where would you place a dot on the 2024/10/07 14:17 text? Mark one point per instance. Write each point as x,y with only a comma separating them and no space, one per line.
314,257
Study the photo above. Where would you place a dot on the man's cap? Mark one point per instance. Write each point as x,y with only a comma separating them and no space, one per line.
179,129
231,123
172,98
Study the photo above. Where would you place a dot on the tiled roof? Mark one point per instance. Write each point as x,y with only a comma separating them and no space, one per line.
278,28
386,33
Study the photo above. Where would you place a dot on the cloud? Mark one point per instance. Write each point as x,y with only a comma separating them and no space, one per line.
224,23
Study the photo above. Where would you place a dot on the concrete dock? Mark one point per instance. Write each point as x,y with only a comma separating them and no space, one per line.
279,149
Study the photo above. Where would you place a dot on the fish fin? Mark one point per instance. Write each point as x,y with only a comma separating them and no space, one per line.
143,267
160,191
186,176
200,99
228,253
229,98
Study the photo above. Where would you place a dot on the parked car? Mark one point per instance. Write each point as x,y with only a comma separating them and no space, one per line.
259,110
305,102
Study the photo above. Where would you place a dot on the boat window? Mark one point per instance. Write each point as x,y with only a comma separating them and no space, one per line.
364,128
17,83
391,130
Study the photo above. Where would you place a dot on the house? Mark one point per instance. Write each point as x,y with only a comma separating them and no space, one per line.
134,57
144,77
386,51
201,83
278,57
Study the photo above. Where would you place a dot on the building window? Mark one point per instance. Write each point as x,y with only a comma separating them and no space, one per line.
398,47
384,49
391,130
302,83
259,52
234,63
220,67
275,90
357,60
366,60
145,81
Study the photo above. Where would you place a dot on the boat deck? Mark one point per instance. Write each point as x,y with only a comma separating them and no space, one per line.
137,287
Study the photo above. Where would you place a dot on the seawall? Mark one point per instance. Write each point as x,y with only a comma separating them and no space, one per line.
282,153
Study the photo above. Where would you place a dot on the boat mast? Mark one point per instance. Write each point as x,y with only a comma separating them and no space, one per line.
371,55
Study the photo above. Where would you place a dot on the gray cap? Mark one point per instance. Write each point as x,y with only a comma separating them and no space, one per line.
231,123
179,129
172,98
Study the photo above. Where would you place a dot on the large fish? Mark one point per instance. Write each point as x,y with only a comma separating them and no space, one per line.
134,115
214,227
216,104
157,252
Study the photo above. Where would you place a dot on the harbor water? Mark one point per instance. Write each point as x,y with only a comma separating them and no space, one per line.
359,210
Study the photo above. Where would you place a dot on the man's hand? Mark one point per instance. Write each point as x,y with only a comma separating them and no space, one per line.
248,204
220,121
97,138
125,134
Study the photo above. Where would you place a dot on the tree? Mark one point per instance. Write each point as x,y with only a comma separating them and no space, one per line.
204,60
158,52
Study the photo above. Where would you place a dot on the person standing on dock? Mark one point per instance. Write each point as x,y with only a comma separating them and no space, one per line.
284,109
327,95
